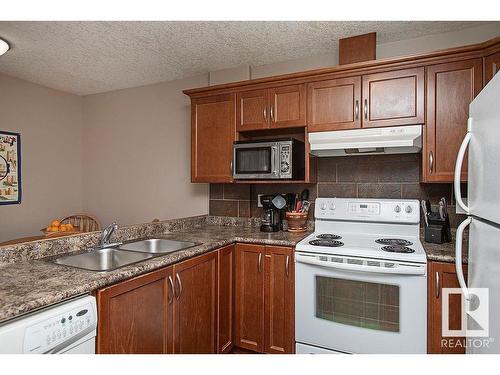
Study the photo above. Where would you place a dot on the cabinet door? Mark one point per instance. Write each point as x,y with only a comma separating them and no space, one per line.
212,136
450,89
288,106
334,104
443,275
491,66
195,305
393,98
279,300
252,112
249,297
225,305
133,315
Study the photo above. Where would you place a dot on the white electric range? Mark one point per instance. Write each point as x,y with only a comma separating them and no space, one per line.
361,279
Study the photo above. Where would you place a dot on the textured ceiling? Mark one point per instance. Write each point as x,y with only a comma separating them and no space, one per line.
90,57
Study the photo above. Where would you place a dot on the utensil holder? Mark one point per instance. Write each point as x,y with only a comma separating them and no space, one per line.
297,221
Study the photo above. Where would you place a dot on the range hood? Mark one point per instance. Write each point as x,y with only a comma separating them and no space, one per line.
391,140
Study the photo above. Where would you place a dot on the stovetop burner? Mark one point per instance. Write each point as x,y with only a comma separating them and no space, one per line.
326,242
393,242
398,249
328,236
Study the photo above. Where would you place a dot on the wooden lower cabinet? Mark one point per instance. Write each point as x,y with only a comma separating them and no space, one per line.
226,299
133,315
443,275
279,300
249,297
195,305
264,299
237,296
171,310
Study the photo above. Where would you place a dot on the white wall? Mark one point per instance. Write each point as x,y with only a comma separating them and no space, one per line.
137,154
50,123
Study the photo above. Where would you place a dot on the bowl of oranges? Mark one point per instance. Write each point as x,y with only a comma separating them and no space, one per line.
56,228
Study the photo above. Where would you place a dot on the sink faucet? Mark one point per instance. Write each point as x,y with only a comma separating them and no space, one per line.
106,235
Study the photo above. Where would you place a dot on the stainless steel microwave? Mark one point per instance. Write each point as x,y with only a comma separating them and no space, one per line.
269,159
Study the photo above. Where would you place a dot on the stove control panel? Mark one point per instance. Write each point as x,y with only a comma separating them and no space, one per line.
376,210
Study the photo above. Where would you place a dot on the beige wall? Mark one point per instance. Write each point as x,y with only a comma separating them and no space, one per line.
50,123
137,154
405,47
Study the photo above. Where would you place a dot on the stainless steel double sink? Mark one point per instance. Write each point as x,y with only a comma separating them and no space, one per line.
111,258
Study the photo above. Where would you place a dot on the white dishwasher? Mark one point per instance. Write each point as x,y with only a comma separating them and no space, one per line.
68,327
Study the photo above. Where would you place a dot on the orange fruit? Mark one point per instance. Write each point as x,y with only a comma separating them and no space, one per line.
53,228
62,228
55,223
70,226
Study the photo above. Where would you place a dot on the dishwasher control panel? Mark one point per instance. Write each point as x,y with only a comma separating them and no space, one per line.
62,328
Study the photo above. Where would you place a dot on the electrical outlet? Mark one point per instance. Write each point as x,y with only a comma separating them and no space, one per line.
259,203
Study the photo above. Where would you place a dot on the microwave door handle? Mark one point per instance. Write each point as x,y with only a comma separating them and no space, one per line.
400,270
274,164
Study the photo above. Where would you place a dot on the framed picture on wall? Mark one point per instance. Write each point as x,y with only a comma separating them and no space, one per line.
10,168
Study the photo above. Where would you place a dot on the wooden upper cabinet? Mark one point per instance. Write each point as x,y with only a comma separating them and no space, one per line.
334,104
249,297
451,87
195,305
279,300
252,110
443,275
491,66
133,315
212,137
226,301
393,98
287,106
277,107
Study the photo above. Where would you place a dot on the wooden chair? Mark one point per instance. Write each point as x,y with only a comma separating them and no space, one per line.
84,222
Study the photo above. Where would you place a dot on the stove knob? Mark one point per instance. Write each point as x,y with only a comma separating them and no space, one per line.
332,206
323,206
408,209
397,209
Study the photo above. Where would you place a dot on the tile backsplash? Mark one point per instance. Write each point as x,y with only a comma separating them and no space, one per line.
380,176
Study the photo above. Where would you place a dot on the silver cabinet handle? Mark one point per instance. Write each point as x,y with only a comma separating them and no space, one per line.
438,287
366,109
271,110
259,266
287,265
265,114
231,168
431,162
356,109
171,291
180,285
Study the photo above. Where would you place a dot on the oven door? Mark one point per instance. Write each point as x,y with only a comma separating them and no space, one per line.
358,305
255,160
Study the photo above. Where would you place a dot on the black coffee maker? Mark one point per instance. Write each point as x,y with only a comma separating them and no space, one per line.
271,221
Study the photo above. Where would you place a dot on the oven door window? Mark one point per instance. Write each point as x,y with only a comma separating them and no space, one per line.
255,160
358,303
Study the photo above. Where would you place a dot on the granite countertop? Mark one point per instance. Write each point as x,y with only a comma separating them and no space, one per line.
444,252
32,284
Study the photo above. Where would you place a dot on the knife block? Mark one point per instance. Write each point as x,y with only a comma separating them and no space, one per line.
438,230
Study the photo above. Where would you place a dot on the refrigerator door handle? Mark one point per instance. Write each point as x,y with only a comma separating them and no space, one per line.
458,257
458,166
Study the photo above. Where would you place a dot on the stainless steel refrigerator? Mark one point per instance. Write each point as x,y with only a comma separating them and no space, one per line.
483,209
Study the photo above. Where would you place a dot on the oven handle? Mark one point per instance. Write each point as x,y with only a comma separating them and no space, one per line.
400,269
